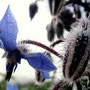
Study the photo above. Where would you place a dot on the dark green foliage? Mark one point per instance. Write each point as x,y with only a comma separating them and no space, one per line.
32,86
3,85
85,84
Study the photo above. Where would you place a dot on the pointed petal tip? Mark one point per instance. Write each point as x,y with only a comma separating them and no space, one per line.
54,68
45,75
9,30
9,6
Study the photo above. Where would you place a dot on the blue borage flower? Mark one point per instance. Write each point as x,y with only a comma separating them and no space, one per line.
8,35
10,87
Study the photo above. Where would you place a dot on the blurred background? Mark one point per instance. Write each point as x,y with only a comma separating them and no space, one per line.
35,29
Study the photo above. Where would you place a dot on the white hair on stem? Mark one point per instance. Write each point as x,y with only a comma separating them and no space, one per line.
24,48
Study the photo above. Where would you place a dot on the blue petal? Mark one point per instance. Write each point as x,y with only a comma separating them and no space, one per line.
16,87
40,62
8,30
10,87
45,75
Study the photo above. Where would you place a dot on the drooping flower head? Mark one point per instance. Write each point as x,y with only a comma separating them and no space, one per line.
8,36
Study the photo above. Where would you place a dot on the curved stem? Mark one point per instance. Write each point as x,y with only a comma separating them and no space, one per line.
56,42
43,46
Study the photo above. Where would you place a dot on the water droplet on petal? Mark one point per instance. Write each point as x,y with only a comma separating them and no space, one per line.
8,15
11,24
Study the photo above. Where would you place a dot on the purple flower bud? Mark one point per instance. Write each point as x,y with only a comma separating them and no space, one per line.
77,53
33,10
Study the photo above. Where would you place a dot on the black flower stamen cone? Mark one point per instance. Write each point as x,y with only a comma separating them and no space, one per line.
9,73
12,59
33,9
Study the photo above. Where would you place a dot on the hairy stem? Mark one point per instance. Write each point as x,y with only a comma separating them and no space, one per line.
43,46
56,42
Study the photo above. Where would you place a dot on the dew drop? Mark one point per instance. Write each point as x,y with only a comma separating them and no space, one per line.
10,24
8,15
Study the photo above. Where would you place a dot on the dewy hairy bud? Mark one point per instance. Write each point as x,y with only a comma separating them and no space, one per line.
77,52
